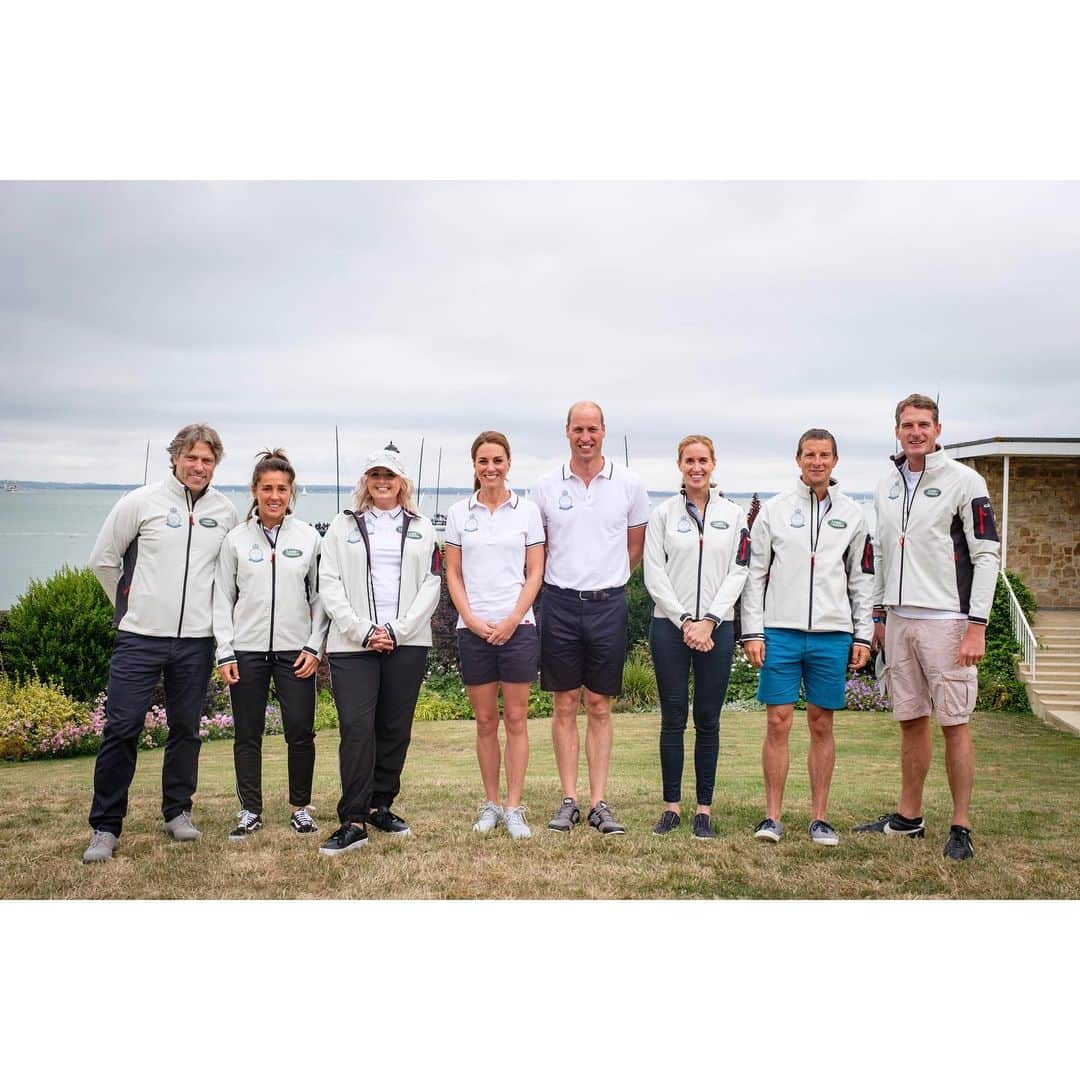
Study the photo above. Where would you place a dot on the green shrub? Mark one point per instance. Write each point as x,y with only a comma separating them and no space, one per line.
39,720
639,609
1000,689
61,629
436,707
743,684
639,691
541,702
326,716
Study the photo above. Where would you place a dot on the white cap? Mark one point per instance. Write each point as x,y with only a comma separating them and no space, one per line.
386,458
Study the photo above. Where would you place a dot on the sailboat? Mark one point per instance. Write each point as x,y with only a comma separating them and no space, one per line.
437,519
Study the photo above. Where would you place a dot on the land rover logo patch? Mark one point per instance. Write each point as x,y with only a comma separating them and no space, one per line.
932,493
292,553
208,523
720,524
836,523
415,535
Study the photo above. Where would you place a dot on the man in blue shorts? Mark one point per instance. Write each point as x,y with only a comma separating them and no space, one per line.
594,513
806,602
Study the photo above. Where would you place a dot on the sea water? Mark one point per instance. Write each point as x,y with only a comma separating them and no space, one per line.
41,529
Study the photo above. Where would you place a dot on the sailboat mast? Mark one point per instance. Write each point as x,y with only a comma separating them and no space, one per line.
337,468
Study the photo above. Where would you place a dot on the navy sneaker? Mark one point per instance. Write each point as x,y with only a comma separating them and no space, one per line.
959,845
668,820
895,825
703,827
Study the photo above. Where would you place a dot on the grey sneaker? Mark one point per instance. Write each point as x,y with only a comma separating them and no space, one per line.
769,830
603,820
102,845
514,820
490,816
181,828
821,832
566,817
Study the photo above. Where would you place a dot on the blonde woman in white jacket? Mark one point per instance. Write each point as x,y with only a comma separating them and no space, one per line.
697,550
269,624
379,581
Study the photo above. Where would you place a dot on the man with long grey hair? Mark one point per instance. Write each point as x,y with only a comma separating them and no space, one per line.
155,558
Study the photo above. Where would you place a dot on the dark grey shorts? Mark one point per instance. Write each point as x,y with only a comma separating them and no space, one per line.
514,662
582,641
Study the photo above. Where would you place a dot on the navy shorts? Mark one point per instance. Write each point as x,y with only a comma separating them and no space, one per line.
582,640
513,662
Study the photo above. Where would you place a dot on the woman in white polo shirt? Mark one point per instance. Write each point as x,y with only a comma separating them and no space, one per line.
494,566
697,554
379,581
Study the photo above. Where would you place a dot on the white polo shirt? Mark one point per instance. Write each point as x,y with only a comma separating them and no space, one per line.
384,532
493,548
586,525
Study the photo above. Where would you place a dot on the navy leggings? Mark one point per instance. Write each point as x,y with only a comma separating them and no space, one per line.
712,670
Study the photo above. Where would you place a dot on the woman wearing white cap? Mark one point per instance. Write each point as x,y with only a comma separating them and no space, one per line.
379,582
494,566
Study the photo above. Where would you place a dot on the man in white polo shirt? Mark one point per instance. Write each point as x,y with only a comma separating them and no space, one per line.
594,512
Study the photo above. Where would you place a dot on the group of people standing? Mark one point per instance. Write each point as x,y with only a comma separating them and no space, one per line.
815,594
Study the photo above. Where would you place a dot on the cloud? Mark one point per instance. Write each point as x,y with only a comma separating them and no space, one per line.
746,311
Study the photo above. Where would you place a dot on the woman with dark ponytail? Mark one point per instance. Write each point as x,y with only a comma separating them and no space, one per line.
269,623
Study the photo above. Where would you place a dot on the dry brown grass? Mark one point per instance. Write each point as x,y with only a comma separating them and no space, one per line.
1026,817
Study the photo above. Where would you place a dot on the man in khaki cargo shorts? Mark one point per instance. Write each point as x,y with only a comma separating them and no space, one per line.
937,555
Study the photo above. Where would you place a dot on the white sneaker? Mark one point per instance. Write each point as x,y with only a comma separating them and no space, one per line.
490,816
514,819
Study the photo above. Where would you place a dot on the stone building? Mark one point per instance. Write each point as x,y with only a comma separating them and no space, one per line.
1035,491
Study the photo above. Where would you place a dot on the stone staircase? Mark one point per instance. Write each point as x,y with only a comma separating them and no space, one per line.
1055,692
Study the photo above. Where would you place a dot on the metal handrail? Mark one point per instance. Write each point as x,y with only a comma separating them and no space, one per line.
1021,629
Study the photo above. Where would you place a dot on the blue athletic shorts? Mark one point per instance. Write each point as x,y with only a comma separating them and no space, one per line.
798,657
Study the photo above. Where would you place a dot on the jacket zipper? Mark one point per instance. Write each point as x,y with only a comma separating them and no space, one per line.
700,554
273,582
905,514
813,552
187,559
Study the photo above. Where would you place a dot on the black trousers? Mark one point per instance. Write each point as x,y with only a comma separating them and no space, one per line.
376,694
297,697
712,670
137,663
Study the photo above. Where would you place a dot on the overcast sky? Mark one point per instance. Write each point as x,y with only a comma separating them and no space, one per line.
747,311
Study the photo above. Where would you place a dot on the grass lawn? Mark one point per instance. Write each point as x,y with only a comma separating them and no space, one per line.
1026,813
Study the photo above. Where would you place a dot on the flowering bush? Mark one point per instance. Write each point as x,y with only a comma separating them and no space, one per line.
34,714
864,695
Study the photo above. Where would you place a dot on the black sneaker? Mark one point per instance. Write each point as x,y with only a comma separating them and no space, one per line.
386,822
346,838
668,820
959,845
703,827
603,820
302,821
895,825
247,823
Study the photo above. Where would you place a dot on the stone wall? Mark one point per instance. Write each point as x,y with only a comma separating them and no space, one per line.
1044,522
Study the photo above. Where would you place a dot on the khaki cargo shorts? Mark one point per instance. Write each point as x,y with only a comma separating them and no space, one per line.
921,671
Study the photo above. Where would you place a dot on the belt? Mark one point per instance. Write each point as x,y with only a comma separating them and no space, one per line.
587,594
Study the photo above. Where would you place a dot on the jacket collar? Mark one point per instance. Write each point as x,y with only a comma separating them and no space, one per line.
805,489
178,491
934,461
